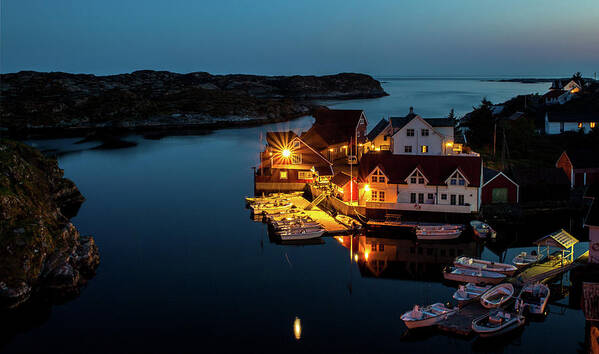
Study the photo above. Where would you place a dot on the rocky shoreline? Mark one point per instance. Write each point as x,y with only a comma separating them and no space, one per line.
34,103
40,250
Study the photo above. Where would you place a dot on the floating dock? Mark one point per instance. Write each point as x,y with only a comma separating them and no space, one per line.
461,322
332,226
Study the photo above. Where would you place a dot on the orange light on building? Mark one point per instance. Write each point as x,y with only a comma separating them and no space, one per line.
356,257
367,188
366,254
449,144
286,153
330,150
593,124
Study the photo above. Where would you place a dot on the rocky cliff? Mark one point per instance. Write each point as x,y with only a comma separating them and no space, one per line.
145,99
40,250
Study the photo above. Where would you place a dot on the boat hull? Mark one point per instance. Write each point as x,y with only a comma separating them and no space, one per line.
301,236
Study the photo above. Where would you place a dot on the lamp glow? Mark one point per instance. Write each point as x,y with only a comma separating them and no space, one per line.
297,328
286,153
367,188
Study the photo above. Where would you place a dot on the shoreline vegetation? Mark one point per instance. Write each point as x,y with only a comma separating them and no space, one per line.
36,104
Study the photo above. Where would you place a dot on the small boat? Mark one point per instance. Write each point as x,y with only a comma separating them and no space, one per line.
476,276
533,297
497,322
474,263
427,316
390,221
523,259
301,233
497,295
438,232
482,230
469,291
348,222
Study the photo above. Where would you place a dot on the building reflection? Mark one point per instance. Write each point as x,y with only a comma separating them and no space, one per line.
382,257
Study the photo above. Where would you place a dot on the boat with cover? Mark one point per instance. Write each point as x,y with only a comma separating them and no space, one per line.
300,233
482,230
533,297
496,323
427,316
469,291
523,259
271,207
497,295
438,232
474,263
476,276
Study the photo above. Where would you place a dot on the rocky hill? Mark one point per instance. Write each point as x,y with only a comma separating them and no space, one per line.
40,250
150,99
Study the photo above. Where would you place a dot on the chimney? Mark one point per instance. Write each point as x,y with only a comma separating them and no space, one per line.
411,110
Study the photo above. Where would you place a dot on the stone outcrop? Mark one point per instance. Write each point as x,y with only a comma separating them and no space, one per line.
40,250
150,99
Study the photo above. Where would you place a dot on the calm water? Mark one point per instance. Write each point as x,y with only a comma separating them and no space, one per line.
184,269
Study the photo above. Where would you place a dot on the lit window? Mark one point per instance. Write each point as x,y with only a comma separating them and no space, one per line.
580,125
424,149
283,174
410,132
304,175
296,159
408,148
381,196
424,132
593,124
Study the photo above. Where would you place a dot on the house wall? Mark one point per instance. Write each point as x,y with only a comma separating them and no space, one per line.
499,182
383,141
434,141
593,244
555,127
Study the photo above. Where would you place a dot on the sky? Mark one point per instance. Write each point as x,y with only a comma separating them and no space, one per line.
282,37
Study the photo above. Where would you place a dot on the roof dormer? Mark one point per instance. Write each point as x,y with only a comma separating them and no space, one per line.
457,178
377,176
417,177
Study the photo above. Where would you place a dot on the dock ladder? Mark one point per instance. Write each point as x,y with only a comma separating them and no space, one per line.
316,201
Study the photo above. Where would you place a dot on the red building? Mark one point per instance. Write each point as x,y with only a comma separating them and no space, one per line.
288,163
498,188
347,189
581,166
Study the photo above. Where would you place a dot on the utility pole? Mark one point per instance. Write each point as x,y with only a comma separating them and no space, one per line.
494,138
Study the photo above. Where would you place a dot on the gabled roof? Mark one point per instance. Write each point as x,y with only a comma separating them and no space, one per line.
340,179
436,168
490,174
378,128
332,126
583,158
560,239
554,94
572,117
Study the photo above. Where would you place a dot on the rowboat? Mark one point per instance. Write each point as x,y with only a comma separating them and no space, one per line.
427,316
301,233
533,297
348,221
469,292
473,263
497,295
438,232
390,221
270,207
523,259
497,323
466,275
482,230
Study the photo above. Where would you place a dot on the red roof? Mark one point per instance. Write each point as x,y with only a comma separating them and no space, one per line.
436,168
332,126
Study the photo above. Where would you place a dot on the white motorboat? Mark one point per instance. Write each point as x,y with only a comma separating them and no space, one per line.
301,233
295,225
482,230
469,291
496,323
271,207
523,259
476,276
427,316
438,232
497,295
348,222
533,297
474,263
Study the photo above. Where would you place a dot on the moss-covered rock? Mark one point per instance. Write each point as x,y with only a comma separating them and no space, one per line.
39,248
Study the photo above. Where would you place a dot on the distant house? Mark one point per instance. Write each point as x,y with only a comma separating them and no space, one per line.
288,163
338,133
559,122
498,188
347,190
556,97
541,183
580,165
562,92
445,184
378,138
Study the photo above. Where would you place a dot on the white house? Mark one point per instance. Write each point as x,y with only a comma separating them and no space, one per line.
559,122
446,184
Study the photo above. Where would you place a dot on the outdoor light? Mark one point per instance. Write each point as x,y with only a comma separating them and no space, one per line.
449,144
286,153
367,188
297,328
356,257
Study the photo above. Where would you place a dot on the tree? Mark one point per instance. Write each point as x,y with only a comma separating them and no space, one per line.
452,117
479,124
577,77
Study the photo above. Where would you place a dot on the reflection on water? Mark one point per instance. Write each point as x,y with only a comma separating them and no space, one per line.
297,328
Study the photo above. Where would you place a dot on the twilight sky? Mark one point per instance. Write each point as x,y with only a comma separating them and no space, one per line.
425,37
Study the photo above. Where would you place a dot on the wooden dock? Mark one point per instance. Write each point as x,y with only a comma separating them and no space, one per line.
548,269
332,226
461,322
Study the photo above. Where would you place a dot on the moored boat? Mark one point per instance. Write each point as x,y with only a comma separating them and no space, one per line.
438,232
469,291
533,297
482,230
497,295
523,259
496,323
474,263
476,276
301,233
427,316
348,222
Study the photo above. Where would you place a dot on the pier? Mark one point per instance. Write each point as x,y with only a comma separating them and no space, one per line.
332,226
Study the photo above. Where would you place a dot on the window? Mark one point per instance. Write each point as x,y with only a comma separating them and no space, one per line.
381,247
374,196
381,196
412,197
420,198
413,180
424,149
283,175
412,250
580,125
457,180
296,144
461,199
410,132
408,148
304,174
593,124
419,250
296,159
377,177
421,180
430,196
417,177
443,196
443,252
452,199
424,132
373,247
